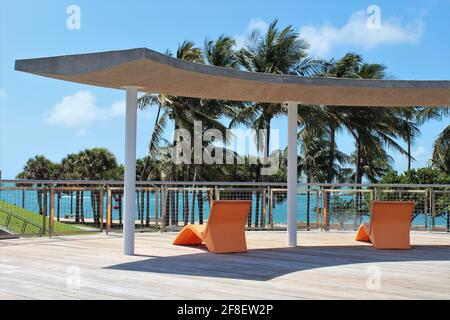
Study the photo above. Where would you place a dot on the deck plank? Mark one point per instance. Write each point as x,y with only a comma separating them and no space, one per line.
326,265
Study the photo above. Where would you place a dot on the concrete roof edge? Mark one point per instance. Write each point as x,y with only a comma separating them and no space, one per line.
91,62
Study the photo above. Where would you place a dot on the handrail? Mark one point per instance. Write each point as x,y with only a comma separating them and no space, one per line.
209,183
321,192
25,221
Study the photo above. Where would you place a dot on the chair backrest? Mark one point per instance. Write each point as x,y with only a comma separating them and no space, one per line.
391,217
227,216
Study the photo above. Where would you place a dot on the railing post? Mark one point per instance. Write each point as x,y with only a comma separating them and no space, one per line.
210,193
44,212
8,220
52,214
100,208
108,210
433,208
217,192
24,227
271,209
318,209
263,213
425,210
325,206
163,209
157,222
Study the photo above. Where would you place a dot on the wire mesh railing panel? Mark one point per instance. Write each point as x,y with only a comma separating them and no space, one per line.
440,212
421,213
257,217
182,206
23,211
346,209
309,210
76,210
114,213
60,207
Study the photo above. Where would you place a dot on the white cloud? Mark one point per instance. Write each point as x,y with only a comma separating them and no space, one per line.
253,24
2,93
356,33
421,153
79,111
118,109
257,24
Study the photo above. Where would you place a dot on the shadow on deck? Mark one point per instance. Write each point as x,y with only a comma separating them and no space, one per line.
267,264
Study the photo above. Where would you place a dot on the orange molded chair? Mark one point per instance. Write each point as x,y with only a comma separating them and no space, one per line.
225,230
389,225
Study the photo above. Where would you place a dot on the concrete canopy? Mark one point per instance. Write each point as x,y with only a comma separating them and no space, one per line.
157,73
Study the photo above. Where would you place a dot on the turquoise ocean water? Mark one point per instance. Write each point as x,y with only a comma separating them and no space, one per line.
67,207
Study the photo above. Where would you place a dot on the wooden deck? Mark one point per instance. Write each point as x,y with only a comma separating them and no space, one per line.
326,265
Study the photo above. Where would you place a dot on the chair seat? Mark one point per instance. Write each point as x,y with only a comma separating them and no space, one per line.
225,230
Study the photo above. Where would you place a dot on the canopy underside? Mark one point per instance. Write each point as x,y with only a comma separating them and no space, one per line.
157,73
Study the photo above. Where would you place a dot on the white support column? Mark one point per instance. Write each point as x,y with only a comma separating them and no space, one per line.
292,174
129,208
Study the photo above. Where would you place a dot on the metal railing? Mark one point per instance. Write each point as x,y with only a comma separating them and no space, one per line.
72,207
18,225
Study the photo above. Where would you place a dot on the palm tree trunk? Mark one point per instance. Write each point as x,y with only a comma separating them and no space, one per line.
120,208
58,210
448,221
94,209
308,203
192,209
409,152
257,210
77,206
175,216
39,198
185,207
331,153
173,177
82,207
71,203
358,173
200,206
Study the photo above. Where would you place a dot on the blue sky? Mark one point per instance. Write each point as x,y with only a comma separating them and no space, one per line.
54,118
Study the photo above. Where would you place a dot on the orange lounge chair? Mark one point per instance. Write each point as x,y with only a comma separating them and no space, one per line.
389,225
225,230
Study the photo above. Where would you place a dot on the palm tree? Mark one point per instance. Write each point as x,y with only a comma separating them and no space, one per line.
279,52
441,151
410,131
313,162
184,111
89,164
441,147
146,169
220,52
373,128
96,164
39,168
